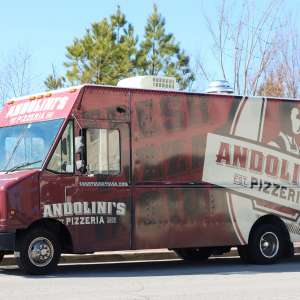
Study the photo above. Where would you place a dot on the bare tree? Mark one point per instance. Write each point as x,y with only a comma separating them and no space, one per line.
244,44
283,76
289,51
15,77
273,84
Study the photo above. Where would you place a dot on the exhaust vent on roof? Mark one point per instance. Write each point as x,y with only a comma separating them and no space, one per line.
219,86
149,82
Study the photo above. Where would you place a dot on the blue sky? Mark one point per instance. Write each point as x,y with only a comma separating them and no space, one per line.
45,28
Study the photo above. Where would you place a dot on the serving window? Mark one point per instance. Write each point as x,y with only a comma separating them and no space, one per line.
103,151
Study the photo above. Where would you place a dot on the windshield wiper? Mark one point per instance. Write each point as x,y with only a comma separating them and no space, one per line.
22,166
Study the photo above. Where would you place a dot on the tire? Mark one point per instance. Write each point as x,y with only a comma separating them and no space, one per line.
194,254
1,256
39,252
243,252
266,244
289,250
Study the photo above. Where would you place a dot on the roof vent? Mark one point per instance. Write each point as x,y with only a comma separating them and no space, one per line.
149,82
220,87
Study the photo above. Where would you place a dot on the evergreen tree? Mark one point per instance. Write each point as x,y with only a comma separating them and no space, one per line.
126,41
104,55
160,54
108,52
53,82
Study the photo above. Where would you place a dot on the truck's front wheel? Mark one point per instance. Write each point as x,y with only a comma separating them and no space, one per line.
39,252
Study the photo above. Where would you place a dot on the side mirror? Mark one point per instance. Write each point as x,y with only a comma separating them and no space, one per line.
64,148
80,165
80,150
78,144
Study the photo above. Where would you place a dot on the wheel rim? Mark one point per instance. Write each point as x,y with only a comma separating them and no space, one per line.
269,244
40,252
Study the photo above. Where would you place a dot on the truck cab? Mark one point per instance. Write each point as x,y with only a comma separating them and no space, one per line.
51,186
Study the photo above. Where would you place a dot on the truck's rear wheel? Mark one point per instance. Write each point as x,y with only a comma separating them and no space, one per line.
1,256
243,252
289,250
194,254
39,252
266,244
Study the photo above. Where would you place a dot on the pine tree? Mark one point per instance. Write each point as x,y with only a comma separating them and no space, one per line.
53,82
126,41
108,52
160,54
104,55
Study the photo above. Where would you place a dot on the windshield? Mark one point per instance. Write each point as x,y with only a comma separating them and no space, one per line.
26,146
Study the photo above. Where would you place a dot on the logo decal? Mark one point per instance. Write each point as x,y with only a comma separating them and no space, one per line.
258,165
86,213
252,170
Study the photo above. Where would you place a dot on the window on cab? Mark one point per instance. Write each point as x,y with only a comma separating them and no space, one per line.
103,151
25,146
62,160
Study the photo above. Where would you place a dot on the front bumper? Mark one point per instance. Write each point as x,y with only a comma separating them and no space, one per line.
7,241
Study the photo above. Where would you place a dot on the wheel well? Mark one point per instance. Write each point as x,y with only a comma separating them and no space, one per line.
271,219
59,229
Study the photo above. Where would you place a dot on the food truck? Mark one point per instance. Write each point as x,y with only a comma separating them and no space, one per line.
145,166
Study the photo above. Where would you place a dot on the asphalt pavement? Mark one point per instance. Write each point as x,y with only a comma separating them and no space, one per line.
219,278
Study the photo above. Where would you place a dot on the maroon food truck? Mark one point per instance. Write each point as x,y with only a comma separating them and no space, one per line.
95,168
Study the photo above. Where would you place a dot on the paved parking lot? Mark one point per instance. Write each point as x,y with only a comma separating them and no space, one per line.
220,278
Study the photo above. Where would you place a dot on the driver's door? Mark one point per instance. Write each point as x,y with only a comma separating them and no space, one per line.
103,189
